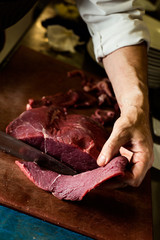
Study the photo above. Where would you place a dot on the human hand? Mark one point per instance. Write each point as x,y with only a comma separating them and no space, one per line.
132,138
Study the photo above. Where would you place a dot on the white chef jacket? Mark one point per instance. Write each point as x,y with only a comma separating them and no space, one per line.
113,24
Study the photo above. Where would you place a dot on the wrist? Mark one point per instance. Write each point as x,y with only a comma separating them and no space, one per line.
127,71
136,97
135,116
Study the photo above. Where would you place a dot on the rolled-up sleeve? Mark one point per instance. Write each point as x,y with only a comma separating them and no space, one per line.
113,24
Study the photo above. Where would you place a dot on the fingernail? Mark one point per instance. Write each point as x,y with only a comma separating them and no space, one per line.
101,160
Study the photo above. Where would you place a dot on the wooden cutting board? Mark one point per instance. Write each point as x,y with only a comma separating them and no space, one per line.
114,214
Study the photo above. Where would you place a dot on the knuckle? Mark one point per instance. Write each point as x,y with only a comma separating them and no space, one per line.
111,145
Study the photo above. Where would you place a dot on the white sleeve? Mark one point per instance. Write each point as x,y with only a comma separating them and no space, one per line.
113,24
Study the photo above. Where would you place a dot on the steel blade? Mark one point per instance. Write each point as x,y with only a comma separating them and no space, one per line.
28,153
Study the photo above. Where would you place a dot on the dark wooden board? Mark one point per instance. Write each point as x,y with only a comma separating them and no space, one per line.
114,214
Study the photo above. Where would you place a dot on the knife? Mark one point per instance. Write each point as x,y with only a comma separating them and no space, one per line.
18,148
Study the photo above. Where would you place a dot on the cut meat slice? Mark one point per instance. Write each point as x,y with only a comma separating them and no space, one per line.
101,88
104,116
74,139
72,98
94,92
75,187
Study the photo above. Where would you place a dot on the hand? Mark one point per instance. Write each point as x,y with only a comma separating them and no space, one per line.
131,136
127,70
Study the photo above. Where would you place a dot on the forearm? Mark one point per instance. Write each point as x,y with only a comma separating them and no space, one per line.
118,33
127,71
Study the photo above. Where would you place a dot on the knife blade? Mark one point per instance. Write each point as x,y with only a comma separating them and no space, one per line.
18,148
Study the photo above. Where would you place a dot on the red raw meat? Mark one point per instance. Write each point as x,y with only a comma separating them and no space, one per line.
73,139
75,187
102,89
72,98
104,116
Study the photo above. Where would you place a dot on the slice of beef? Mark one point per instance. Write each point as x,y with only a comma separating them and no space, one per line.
95,92
77,72
75,187
59,99
74,139
103,116
101,88
72,98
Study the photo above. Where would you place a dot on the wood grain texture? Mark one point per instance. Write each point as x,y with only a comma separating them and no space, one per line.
114,214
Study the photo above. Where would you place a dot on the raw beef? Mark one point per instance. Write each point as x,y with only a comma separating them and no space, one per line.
74,139
72,98
75,187
94,93
104,117
102,89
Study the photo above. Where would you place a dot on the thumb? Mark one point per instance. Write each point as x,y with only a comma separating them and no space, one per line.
111,148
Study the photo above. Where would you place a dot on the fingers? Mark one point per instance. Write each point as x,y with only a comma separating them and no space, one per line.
118,138
110,149
141,164
133,141
126,153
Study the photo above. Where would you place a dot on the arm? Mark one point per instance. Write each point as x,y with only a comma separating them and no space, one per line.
119,36
127,70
